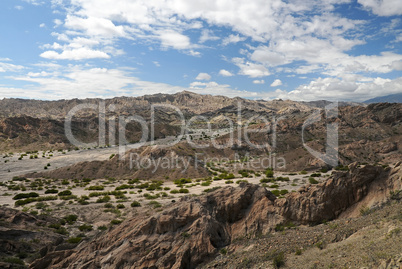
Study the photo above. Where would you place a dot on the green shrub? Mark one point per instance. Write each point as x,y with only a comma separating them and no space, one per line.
303,172
174,191
25,195
62,231
103,199
276,193
283,192
135,204
269,172
184,191
74,240
320,245
151,197
324,170
120,206
206,183
108,205
282,178
65,193
265,180
312,180
365,211
51,191
212,189
116,221
96,188
14,260
342,168
155,204
278,260
71,219
85,227
182,181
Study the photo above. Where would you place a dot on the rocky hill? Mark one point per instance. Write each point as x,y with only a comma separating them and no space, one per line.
197,230
34,125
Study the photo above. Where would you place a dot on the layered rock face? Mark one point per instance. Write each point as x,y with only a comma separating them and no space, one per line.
326,201
182,236
189,232
23,233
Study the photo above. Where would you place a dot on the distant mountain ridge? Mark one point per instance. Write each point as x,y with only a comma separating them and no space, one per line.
393,98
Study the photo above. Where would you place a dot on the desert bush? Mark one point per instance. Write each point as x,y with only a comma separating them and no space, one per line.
116,221
65,193
96,188
283,192
25,195
103,199
51,191
70,219
184,191
155,204
74,240
182,181
135,204
269,172
85,227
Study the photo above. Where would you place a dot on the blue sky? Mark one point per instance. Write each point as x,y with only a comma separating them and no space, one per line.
257,49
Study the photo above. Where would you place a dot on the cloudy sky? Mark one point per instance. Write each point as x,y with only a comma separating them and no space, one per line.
257,49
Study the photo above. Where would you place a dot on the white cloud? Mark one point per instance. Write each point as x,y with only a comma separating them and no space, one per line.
93,26
19,7
75,54
383,7
397,65
214,88
174,40
232,39
276,83
34,2
203,76
207,35
250,69
80,82
8,67
42,25
225,73
156,63
259,81
334,89
293,37
57,23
